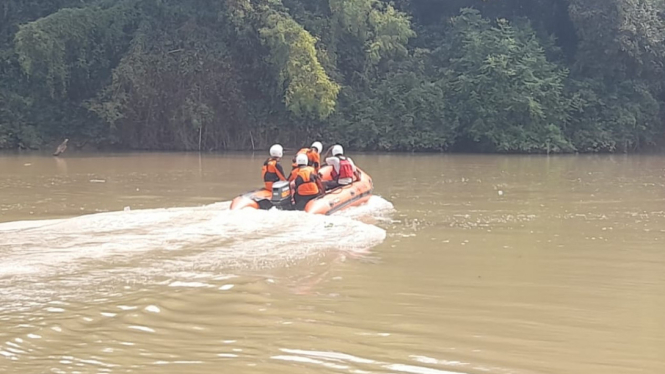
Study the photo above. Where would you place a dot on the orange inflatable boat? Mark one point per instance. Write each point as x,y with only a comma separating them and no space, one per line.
354,194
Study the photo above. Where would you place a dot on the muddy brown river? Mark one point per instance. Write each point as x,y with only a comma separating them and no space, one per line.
133,263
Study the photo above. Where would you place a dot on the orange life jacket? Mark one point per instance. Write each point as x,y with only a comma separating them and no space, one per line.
313,158
305,181
301,151
272,172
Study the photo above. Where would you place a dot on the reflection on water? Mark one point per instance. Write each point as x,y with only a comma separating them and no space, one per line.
485,264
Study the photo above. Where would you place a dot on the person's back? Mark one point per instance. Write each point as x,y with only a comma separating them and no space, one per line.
313,156
344,169
302,151
314,160
306,184
272,171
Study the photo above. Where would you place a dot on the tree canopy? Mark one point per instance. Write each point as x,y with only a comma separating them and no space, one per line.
404,75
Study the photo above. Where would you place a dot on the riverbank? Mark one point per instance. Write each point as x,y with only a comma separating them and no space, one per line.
48,150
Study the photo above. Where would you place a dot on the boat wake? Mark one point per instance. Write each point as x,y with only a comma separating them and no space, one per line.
168,245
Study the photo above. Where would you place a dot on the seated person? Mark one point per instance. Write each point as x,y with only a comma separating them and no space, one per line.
272,171
313,156
344,171
306,185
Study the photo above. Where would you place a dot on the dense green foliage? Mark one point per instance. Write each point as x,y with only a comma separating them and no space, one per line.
408,75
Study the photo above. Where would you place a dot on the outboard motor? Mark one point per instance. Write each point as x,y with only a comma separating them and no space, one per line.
281,195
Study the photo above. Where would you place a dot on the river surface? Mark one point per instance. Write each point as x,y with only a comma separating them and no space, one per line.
132,263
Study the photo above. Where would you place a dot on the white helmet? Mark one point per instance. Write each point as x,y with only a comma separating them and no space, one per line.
318,146
337,150
276,151
301,159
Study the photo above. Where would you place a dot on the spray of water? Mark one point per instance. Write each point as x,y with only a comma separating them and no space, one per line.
177,245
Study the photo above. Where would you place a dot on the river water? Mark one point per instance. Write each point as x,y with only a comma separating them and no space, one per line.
132,263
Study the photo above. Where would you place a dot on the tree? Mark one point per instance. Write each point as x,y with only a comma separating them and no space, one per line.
375,74
505,94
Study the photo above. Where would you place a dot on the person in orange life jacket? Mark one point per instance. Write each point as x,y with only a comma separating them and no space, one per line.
313,156
272,171
344,170
306,185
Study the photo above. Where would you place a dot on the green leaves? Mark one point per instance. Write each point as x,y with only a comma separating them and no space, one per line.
74,43
609,117
168,74
176,88
622,39
308,89
382,31
503,92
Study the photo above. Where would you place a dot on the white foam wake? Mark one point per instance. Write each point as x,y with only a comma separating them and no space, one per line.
41,257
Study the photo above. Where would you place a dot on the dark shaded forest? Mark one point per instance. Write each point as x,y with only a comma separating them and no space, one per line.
523,76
